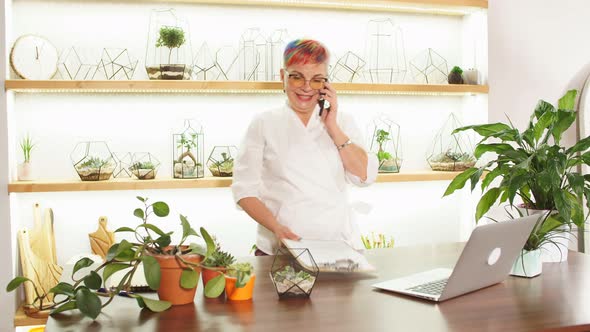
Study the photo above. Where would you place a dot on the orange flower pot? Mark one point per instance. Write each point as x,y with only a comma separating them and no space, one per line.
171,268
207,275
239,294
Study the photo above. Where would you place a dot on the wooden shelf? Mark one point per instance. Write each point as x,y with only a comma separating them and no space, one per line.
437,7
208,182
230,87
21,319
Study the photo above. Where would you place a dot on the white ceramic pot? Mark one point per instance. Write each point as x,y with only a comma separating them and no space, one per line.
556,250
471,76
24,172
528,264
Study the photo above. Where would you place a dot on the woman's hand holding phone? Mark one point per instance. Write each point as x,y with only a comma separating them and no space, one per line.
330,100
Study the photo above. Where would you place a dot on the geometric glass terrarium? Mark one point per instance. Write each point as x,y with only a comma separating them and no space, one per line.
290,278
144,166
221,160
168,53
451,152
386,54
188,147
253,56
386,145
93,161
429,67
123,162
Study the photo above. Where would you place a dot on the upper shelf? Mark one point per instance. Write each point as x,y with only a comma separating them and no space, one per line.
232,87
207,182
438,7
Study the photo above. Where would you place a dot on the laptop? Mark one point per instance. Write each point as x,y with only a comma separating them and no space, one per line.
486,260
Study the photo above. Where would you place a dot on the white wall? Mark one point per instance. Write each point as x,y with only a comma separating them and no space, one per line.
537,50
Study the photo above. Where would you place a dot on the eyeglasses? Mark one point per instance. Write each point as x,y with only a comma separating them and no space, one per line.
298,81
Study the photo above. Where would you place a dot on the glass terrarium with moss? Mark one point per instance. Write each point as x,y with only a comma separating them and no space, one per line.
221,160
144,166
451,151
188,158
169,52
386,145
290,278
93,161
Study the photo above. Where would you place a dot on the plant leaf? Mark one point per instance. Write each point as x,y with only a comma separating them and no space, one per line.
486,130
576,182
498,148
70,305
544,121
140,301
93,280
88,303
153,228
161,209
112,268
156,305
82,263
208,241
562,204
198,249
581,145
14,283
139,213
568,101
187,230
163,241
459,181
63,288
474,178
124,229
189,278
151,271
486,202
141,199
215,286
565,118
487,180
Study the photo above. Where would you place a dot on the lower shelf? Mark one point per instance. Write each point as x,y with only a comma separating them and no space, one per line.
167,183
21,319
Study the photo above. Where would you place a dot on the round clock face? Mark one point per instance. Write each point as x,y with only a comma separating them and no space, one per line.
34,58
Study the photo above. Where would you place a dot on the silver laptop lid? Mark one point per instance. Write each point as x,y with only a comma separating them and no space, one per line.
489,255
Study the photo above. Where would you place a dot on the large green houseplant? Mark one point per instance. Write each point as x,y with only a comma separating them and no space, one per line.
534,166
149,245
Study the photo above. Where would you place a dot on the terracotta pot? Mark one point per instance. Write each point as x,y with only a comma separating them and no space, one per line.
239,294
207,275
171,268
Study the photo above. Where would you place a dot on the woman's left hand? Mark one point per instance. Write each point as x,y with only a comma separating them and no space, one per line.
329,114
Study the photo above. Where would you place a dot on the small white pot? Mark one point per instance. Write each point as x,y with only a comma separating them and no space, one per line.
471,76
557,250
24,172
528,264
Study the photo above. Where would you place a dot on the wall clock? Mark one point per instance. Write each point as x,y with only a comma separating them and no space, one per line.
34,58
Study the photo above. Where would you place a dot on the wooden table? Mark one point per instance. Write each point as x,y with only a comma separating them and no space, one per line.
559,297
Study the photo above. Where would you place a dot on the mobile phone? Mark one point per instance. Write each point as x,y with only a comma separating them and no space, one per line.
321,102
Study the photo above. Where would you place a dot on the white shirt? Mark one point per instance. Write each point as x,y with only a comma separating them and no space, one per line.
297,172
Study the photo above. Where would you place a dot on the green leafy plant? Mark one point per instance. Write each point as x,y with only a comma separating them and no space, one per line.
379,242
219,258
94,163
381,137
533,166
453,157
170,37
457,70
150,240
241,271
187,142
27,145
142,165
227,163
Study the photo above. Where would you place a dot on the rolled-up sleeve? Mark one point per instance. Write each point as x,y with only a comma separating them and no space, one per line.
248,164
356,136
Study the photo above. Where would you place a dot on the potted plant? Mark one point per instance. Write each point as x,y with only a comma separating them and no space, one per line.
534,167
171,37
455,76
186,164
216,264
172,270
25,169
452,161
379,242
239,281
387,163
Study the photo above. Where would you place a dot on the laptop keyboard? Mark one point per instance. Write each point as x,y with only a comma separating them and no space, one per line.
430,288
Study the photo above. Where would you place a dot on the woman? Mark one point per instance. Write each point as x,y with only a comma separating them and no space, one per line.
291,171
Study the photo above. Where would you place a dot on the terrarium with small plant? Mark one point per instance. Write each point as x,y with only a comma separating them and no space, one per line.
168,54
144,166
451,151
456,75
386,144
93,161
293,273
188,158
221,160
